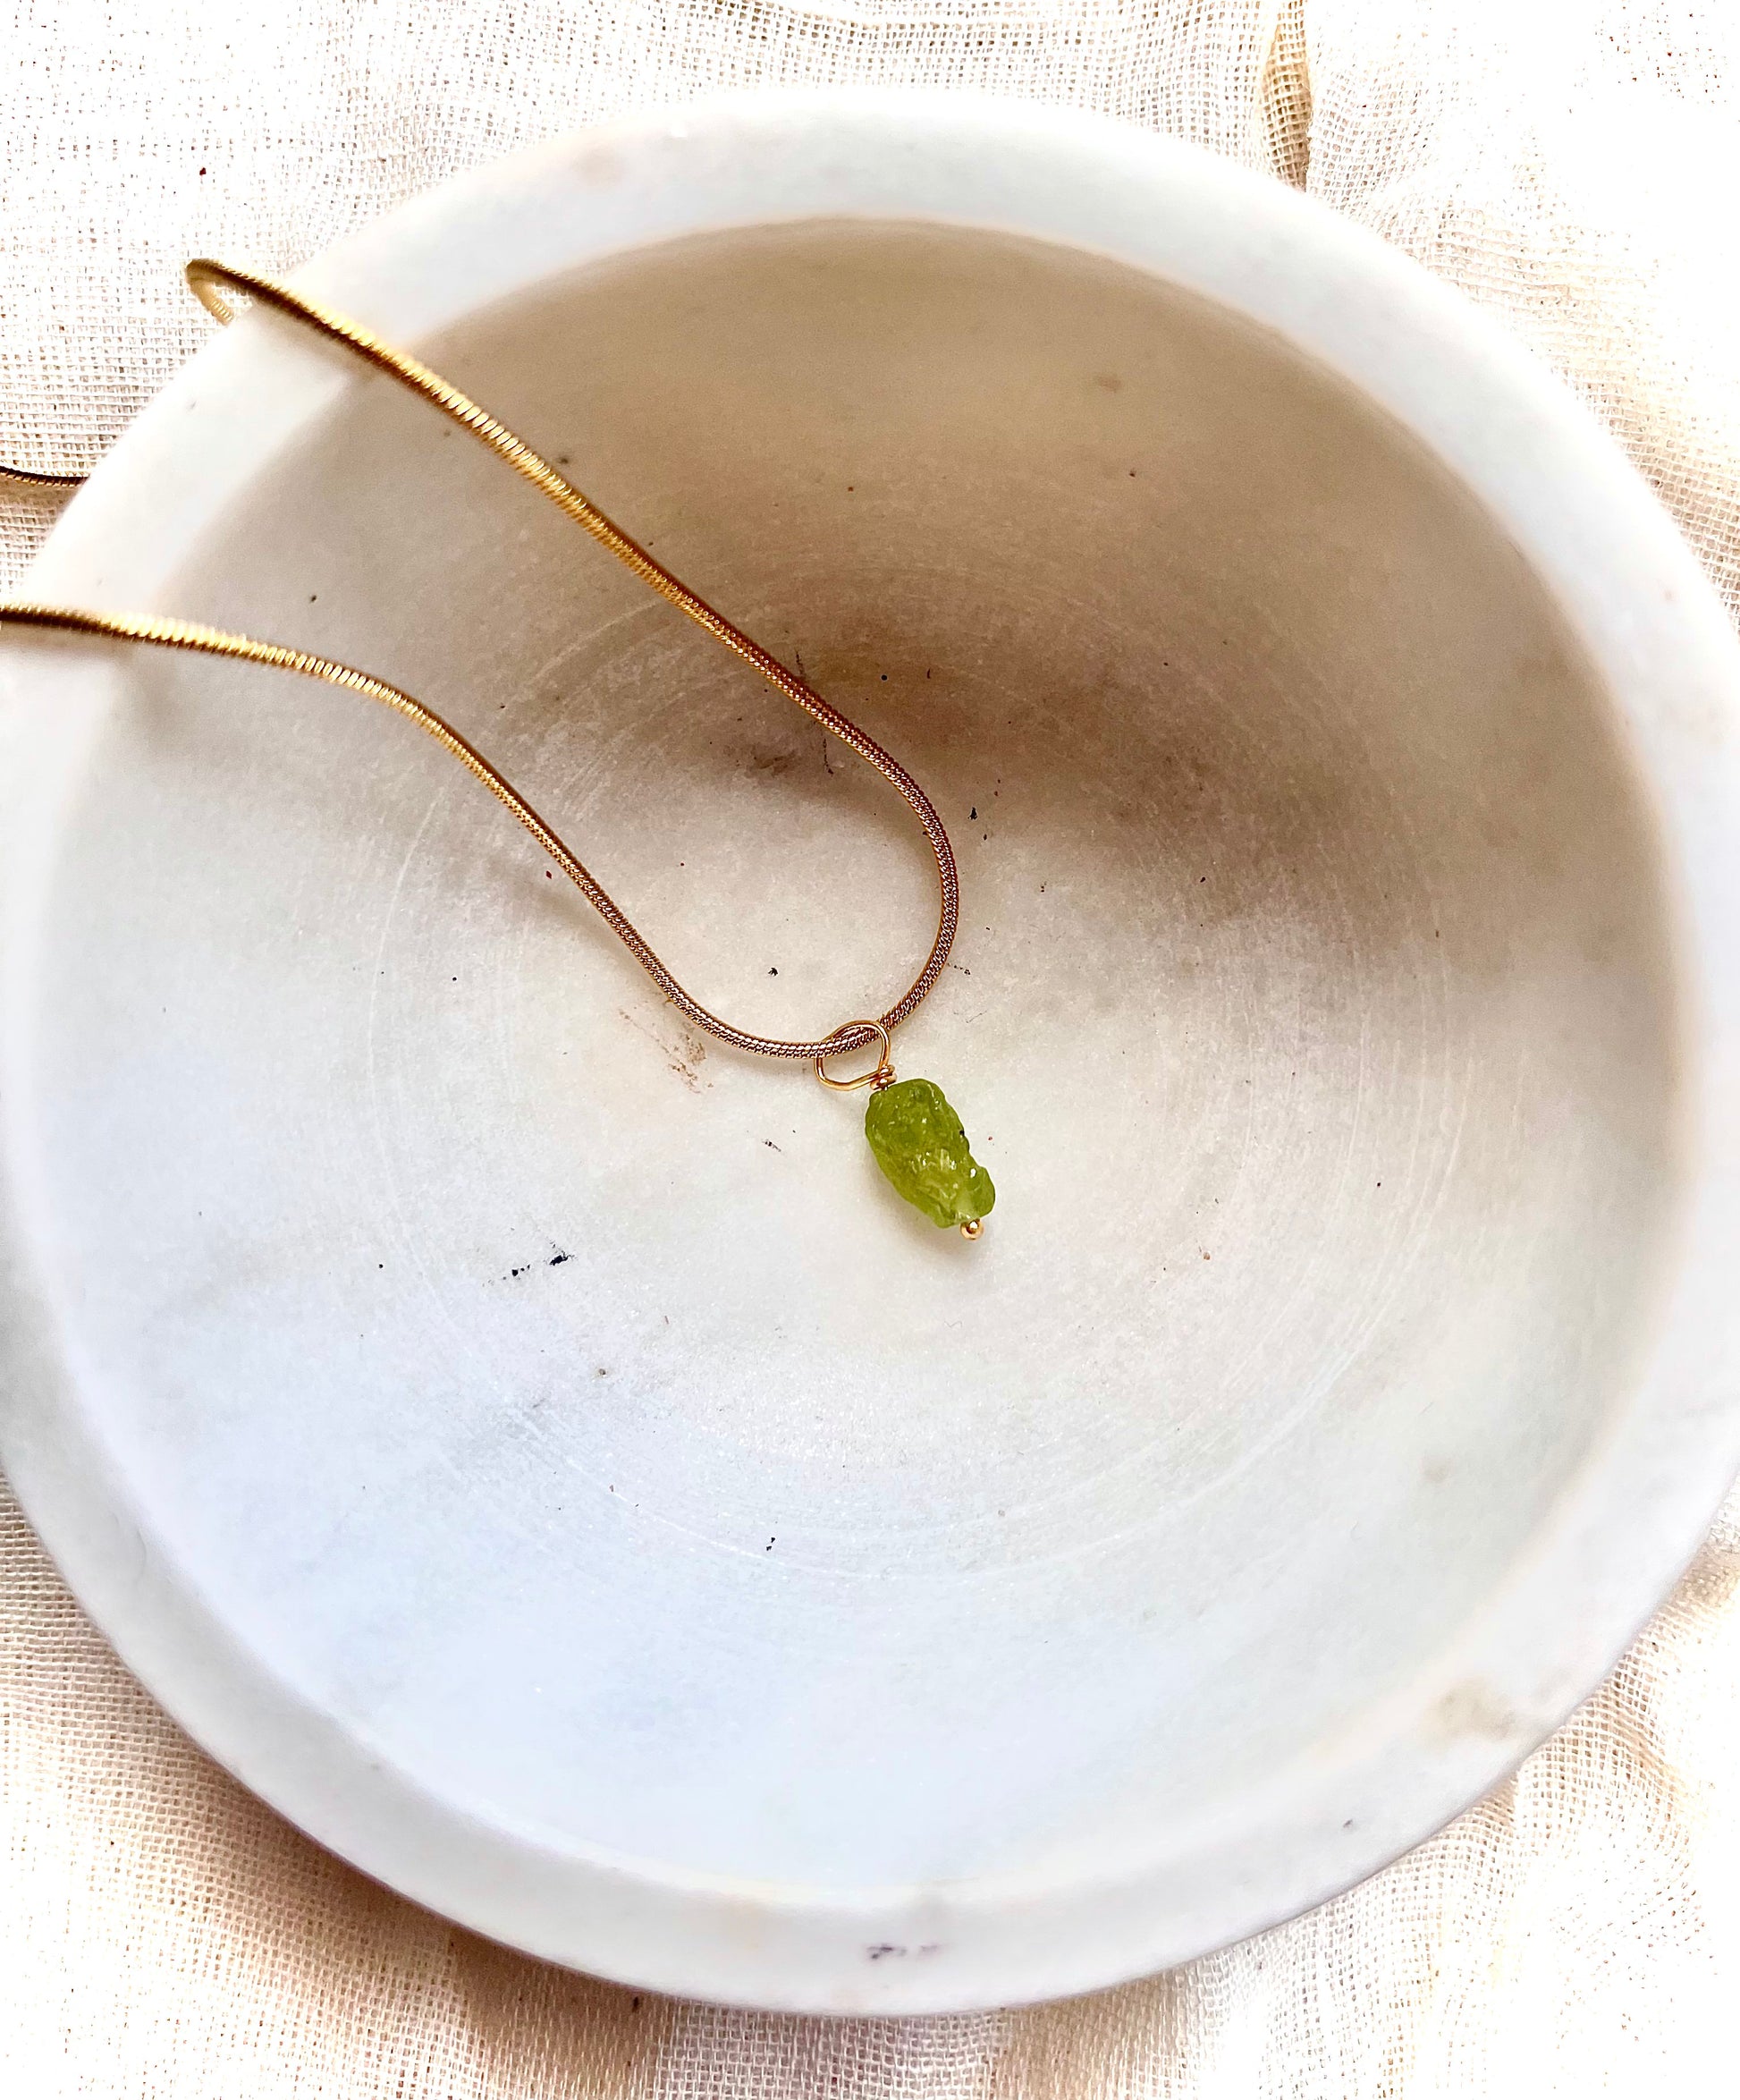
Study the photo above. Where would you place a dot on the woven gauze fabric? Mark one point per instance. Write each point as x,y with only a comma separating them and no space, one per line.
1570,167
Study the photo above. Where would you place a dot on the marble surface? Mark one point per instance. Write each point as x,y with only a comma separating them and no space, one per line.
528,1442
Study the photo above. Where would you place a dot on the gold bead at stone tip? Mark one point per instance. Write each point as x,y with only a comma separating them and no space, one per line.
973,1228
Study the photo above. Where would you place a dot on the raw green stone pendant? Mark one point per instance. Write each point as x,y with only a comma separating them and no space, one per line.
920,1146
915,1135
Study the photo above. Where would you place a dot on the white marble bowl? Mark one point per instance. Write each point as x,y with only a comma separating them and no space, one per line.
528,1443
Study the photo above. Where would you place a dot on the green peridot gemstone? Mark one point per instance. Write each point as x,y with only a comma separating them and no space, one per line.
920,1146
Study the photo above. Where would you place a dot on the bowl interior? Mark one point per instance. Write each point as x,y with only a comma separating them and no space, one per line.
559,1400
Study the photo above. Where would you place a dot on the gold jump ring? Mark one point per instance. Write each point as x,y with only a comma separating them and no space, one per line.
883,1075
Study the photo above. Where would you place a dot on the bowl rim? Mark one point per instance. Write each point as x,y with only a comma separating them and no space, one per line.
1651,624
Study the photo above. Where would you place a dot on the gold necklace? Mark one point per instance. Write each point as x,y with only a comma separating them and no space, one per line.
915,1134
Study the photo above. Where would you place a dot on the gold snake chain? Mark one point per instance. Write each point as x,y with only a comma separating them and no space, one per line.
209,281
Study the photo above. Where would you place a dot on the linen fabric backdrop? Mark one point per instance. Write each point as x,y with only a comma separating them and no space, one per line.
1573,166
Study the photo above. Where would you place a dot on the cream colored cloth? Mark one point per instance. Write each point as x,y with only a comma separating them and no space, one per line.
1575,168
